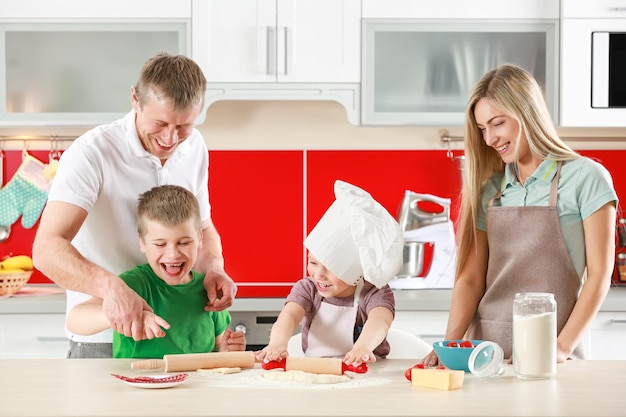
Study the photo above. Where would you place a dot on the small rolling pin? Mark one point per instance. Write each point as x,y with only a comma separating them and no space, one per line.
332,366
195,361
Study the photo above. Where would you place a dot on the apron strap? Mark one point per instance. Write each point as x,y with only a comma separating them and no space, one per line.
555,184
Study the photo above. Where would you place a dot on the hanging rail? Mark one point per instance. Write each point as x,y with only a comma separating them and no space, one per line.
25,138
447,138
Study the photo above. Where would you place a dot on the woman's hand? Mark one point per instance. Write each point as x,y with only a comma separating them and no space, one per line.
430,360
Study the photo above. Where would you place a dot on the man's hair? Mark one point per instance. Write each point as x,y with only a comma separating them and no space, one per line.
173,78
170,205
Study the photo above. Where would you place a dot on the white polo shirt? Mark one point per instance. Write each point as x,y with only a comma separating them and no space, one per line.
584,187
103,172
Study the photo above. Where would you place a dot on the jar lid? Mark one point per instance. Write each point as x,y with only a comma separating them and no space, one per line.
486,360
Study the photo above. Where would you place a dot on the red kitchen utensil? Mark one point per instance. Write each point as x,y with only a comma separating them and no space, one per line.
315,365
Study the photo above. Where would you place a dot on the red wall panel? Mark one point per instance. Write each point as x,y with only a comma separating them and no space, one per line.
384,174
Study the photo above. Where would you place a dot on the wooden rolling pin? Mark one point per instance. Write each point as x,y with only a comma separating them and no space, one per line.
332,366
195,361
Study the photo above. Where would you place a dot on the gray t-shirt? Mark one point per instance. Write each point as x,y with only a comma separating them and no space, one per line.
306,295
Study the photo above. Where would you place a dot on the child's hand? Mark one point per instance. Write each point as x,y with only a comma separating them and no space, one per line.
153,325
232,341
359,355
272,352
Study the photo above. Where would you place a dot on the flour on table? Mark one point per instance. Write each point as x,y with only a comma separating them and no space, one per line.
220,370
305,377
257,378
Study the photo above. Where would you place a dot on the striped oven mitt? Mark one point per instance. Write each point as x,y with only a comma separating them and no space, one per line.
26,193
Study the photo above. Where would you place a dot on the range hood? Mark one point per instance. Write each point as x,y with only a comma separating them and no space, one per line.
348,95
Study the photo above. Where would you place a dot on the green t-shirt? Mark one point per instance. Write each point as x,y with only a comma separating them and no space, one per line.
192,330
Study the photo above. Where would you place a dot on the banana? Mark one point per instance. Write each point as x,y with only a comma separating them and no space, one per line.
22,262
12,271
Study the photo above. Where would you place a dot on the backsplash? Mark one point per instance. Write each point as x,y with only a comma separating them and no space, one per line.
265,201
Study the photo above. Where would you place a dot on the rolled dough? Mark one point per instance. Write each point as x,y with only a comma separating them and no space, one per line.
305,377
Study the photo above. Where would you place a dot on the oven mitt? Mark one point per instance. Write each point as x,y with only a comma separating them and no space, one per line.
26,193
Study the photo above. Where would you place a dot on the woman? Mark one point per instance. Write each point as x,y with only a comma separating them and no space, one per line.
535,217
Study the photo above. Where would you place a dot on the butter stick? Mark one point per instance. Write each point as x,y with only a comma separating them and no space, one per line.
443,379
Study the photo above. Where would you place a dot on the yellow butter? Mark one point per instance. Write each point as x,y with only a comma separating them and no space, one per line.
443,379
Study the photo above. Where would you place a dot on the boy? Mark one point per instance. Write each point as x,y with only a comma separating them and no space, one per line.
345,305
169,230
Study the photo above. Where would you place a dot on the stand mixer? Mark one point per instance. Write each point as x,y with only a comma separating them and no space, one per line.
421,225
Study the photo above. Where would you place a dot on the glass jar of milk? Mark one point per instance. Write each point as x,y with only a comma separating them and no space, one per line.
534,335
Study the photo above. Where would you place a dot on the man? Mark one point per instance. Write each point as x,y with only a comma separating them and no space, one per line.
88,233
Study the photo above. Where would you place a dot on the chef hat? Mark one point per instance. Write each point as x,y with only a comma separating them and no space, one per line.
357,237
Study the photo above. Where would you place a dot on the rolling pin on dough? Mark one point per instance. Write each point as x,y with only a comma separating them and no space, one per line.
332,366
195,361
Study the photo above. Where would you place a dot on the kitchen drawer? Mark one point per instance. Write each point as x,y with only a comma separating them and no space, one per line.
607,339
33,336
428,325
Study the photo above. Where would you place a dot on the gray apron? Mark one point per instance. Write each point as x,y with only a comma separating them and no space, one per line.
527,253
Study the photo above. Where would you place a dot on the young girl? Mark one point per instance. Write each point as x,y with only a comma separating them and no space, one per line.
345,305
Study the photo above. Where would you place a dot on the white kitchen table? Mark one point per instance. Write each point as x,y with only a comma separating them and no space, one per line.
61,387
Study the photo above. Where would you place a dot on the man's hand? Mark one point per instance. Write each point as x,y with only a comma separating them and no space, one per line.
124,308
220,289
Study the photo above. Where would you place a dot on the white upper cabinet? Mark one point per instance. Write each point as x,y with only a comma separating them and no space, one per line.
420,60
269,41
82,9
461,9
72,62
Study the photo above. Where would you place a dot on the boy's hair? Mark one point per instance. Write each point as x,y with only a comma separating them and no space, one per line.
173,78
170,205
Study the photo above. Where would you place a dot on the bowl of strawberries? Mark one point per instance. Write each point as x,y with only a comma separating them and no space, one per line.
454,354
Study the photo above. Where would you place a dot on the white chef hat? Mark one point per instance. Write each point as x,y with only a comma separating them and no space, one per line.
357,237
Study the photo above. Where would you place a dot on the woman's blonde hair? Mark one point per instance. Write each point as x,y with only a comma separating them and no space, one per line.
516,93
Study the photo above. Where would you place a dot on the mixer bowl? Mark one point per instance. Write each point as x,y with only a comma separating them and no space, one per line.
417,257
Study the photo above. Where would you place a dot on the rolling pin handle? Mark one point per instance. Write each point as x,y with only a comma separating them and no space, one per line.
361,369
148,364
274,364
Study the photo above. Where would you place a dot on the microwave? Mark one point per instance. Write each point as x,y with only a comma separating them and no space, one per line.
593,64
608,69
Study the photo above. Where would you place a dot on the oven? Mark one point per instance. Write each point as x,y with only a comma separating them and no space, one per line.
257,326
593,63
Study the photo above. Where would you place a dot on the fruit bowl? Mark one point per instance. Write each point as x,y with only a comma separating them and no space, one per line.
455,357
12,282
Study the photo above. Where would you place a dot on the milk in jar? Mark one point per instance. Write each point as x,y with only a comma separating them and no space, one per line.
534,335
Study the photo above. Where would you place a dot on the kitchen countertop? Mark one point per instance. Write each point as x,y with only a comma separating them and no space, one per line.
406,300
65,387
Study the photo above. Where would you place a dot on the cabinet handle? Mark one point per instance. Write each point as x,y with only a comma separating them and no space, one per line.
51,339
617,9
270,53
617,321
286,48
